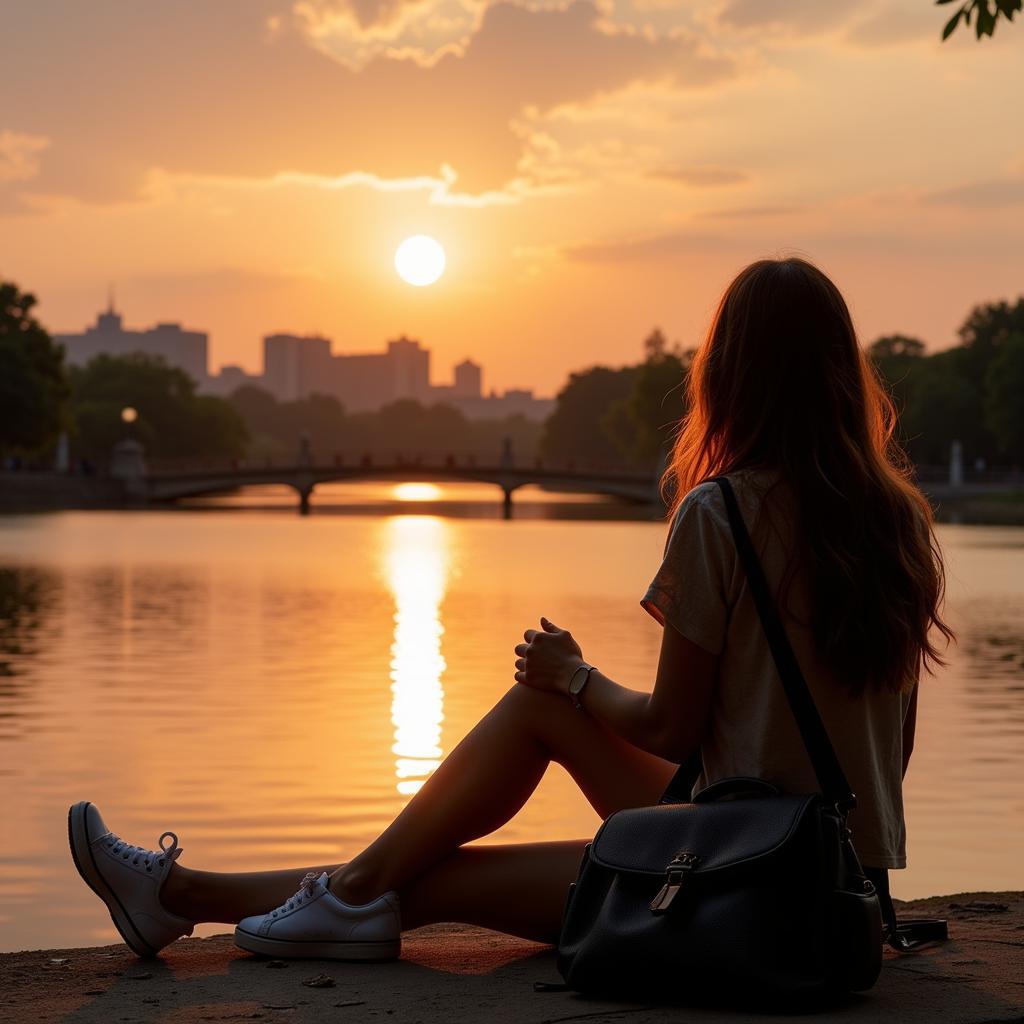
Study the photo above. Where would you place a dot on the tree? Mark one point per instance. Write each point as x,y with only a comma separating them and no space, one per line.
1004,399
33,383
986,15
986,328
577,429
946,405
640,424
173,422
899,360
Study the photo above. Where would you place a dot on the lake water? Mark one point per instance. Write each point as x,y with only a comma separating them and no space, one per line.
273,688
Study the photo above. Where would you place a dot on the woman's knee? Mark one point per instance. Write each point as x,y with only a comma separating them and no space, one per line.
534,706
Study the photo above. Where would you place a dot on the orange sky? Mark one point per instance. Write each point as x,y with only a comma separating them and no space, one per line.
592,167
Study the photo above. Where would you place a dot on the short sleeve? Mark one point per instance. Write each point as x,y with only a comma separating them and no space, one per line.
690,591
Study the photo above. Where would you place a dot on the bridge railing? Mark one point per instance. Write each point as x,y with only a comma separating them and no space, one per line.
407,459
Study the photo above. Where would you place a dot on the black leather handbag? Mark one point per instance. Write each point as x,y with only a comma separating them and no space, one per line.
745,891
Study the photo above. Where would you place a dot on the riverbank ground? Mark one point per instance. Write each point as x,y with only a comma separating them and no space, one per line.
455,973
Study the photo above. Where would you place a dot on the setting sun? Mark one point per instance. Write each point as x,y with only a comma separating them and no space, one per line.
420,260
416,492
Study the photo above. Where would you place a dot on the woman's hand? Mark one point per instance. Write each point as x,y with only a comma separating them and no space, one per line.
548,658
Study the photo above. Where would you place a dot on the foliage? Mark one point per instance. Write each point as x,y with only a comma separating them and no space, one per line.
640,424
986,15
898,359
578,429
1004,402
404,429
970,393
277,428
173,421
33,383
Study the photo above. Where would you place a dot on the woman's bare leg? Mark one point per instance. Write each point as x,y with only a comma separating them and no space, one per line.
490,775
482,783
516,888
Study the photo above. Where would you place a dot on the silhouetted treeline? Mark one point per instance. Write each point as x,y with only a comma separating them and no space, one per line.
404,428
972,393
33,382
623,417
172,420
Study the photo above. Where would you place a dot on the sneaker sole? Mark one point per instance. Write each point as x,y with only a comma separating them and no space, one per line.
302,950
85,862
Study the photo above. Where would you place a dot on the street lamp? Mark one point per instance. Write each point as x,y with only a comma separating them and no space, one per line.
129,414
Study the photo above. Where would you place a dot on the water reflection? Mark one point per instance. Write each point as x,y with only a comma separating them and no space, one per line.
25,596
416,562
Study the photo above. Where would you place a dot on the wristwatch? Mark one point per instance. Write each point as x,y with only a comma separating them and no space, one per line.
577,682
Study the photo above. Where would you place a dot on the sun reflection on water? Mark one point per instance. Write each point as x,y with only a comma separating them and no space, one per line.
416,559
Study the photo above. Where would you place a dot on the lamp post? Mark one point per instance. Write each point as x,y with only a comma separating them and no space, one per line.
127,462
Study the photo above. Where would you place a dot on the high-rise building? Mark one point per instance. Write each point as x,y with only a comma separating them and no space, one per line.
468,379
410,367
295,367
187,350
368,381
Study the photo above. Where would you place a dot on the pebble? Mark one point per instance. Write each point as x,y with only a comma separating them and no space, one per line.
319,981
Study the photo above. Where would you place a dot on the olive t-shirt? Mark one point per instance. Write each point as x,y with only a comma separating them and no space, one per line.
701,590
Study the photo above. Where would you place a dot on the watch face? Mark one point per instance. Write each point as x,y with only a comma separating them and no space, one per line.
577,681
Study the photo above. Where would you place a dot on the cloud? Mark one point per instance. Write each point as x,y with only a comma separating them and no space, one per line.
799,17
751,211
699,177
19,155
162,186
354,32
241,90
992,194
643,248
896,23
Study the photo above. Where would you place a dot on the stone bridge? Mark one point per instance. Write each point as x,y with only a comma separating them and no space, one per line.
170,484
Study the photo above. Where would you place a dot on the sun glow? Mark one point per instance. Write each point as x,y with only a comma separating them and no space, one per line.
420,260
416,569
416,492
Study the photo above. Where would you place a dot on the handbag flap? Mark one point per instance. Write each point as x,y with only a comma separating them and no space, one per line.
643,840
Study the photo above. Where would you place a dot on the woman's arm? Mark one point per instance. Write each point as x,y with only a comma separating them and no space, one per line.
669,722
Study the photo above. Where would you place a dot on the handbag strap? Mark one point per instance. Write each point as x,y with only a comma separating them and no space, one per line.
903,935
831,779
826,765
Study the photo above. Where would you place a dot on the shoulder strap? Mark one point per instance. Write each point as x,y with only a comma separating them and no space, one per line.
826,765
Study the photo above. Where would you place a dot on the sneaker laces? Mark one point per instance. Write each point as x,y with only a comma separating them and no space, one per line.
148,858
307,888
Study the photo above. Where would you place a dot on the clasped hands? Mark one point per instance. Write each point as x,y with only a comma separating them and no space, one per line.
548,658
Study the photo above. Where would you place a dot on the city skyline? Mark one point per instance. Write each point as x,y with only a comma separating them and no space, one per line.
592,170
297,366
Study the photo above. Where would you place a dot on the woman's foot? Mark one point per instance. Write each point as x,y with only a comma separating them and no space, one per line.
315,924
127,878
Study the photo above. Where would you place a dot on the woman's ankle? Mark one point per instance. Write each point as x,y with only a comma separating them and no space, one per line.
176,893
356,885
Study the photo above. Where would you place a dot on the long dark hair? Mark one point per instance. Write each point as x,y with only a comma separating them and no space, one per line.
781,383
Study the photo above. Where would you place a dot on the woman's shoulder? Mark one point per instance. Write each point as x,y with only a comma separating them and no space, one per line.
751,487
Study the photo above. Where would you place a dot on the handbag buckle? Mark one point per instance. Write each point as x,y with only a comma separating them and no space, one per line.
678,868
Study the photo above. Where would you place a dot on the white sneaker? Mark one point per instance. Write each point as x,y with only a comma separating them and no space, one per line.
314,923
127,878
